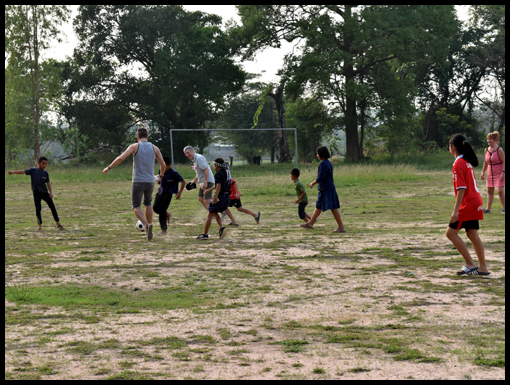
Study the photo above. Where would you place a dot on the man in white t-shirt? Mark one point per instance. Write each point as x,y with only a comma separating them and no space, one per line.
204,176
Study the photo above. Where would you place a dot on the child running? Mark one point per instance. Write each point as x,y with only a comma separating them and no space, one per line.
468,208
302,197
221,199
235,201
39,179
168,186
328,198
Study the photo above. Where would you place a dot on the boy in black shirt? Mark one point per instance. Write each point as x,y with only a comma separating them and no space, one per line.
221,200
39,178
168,186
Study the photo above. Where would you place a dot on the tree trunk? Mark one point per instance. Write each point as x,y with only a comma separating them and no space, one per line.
351,119
351,128
37,107
282,141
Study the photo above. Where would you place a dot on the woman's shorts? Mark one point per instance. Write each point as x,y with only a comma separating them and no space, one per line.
327,200
475,225
235,203
141,190
209,194
222,205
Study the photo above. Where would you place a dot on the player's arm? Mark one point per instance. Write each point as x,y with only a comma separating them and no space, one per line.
502,157
160,159
209,189
118,160
20,172
300,197
206,177
484,166
49,189
217,193
183,184
458,201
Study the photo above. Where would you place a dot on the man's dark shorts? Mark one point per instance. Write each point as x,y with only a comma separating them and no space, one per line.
222,205
141,190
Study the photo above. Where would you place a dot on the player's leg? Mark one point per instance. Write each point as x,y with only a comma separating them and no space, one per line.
338,218
460,245
490,198
51,205
501,193
246,211
314,217
229,214
479,249
38,208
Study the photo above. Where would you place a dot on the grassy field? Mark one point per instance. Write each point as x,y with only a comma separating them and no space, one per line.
269,301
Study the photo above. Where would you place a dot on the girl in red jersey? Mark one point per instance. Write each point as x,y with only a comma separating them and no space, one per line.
468,208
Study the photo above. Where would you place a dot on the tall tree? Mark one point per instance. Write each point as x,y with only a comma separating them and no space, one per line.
29,30
344,43
161,63
491,20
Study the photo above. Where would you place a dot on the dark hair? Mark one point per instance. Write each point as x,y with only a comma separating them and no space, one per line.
464,148
142,133
323,152
295,172
219,160
167,160
41,158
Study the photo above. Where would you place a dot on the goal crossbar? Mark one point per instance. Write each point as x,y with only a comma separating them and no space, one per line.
235,129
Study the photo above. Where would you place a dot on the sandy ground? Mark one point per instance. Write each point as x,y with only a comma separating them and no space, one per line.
331,299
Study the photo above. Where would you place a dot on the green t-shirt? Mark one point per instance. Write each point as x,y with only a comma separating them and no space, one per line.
299,189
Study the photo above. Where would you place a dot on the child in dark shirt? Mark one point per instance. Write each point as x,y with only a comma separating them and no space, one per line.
328,198
221,199
168,186
39,179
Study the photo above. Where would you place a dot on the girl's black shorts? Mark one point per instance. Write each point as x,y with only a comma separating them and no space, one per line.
475,225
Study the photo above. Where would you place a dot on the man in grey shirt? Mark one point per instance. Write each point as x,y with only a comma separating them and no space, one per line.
204,176
144,156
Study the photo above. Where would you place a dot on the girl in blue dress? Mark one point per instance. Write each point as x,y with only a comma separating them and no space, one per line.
328,198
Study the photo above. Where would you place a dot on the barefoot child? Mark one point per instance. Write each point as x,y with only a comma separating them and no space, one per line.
40,178
468,208
302,197
221,199
169,185
235,201
328,198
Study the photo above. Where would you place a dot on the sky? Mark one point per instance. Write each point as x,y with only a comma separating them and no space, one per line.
266,62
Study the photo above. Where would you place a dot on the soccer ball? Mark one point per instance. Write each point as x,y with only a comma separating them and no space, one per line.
140,226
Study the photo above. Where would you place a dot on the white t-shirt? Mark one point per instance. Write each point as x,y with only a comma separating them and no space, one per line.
200,164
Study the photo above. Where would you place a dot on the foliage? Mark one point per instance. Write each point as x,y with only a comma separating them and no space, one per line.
184,66
346,48
240,114
29,29
310,117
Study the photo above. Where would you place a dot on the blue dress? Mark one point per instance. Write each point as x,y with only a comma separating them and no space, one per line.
328,198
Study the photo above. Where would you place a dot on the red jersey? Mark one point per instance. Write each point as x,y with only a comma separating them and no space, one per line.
471,207
234,190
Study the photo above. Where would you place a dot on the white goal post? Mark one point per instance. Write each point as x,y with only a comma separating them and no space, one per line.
234,129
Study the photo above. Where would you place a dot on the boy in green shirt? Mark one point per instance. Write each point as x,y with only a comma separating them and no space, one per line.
302,200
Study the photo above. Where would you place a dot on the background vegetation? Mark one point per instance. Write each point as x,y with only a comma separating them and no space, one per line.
394,80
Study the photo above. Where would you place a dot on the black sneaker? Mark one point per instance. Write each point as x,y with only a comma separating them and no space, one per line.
203,236
257,218
223,232
149,232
